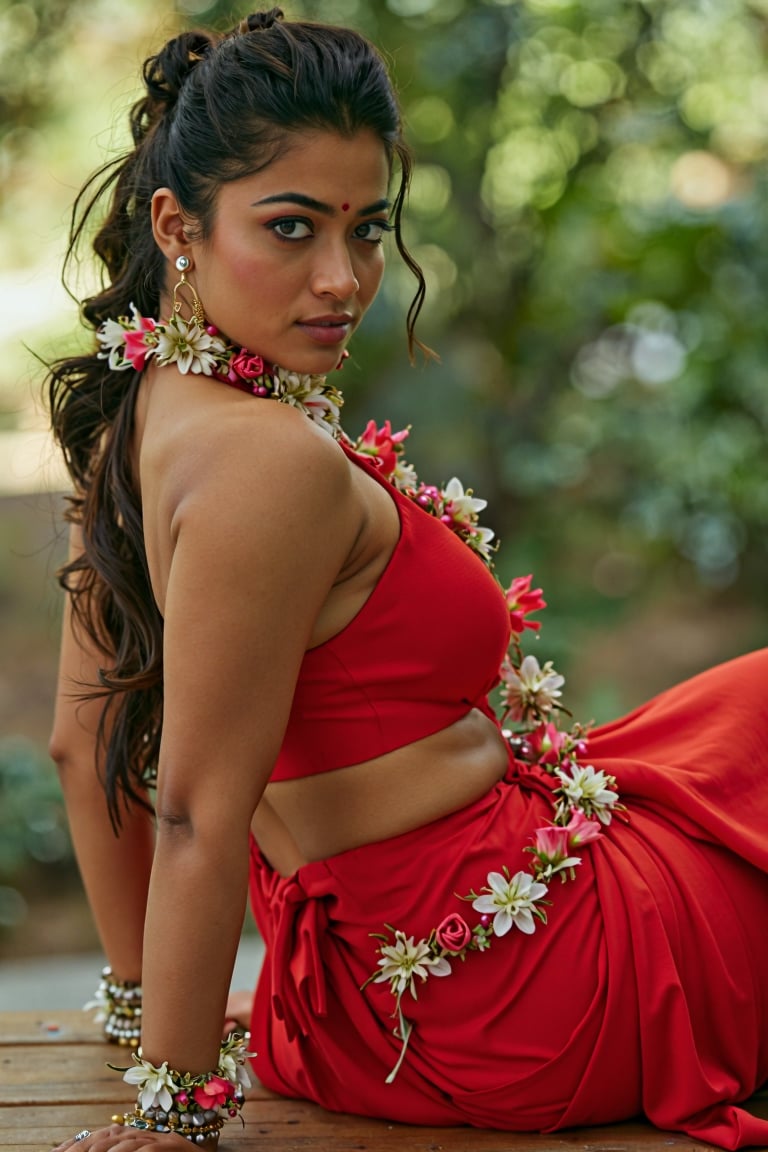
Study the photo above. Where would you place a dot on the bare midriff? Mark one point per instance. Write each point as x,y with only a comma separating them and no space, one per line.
315,817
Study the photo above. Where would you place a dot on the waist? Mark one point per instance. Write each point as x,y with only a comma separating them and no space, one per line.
314,817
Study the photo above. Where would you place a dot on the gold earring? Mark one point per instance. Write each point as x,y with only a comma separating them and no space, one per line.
198,315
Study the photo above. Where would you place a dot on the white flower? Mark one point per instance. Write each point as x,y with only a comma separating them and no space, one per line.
312,396
588,791
530,688
404,477
404,960
460,504
480,540
155,1084
190,347
100,1003
111,336
511,901
232,1065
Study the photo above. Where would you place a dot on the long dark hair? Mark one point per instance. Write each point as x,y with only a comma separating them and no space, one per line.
216,108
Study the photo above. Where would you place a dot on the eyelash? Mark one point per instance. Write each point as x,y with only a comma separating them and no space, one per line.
276,225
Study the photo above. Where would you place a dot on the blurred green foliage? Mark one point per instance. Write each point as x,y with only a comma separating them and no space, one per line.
35,850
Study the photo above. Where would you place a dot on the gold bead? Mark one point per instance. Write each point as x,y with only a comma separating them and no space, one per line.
120,1119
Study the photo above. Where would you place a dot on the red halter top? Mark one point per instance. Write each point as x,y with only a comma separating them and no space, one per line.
424,649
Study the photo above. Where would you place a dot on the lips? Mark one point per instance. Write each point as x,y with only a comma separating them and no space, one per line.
327,329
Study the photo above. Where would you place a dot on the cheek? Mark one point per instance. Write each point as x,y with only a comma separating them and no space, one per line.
371,276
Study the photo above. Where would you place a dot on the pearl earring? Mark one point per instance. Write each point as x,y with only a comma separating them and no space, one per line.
182,263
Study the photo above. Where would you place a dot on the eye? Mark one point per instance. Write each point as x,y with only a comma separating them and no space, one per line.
291,228
372,231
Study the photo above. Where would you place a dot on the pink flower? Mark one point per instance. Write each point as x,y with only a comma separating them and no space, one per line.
552,844
546,743
581,830
551,847
136,346
383,444
246,366
521,601
454,933
214,1093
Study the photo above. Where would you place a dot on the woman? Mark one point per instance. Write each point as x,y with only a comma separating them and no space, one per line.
264,604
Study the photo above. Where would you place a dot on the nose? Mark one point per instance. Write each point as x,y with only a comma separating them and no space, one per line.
334,273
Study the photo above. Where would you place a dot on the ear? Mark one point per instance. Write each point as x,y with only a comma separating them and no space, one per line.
168,225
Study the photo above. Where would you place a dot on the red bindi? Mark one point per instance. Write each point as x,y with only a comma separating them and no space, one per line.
345,207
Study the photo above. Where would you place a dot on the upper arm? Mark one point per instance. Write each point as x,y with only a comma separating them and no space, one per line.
260,539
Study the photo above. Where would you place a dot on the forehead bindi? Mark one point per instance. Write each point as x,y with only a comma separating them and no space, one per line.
290,198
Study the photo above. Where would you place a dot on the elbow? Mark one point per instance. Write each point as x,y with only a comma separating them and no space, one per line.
173,826
75,760
62,754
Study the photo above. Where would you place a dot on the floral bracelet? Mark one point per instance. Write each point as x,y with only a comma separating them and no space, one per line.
195,1107
118,1007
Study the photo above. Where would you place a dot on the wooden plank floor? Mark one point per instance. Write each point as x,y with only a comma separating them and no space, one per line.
54,1081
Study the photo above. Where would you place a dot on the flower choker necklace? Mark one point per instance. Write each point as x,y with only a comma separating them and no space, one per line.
129,342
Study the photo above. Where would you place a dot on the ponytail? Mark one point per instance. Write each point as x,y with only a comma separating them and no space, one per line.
215,109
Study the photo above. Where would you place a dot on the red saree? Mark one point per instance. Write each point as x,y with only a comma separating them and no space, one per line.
646,991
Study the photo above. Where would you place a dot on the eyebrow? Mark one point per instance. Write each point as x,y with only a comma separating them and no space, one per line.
317,205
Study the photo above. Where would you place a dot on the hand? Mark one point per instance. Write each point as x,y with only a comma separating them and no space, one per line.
121,1137
238,1017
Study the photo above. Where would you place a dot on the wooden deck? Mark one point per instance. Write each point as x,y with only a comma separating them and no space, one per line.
54,1081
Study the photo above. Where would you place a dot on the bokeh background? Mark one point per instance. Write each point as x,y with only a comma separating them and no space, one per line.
590,210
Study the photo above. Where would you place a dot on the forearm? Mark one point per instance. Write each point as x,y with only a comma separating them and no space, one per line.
115,870
194,919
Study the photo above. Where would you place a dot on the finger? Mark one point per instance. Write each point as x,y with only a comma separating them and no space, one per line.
75,1141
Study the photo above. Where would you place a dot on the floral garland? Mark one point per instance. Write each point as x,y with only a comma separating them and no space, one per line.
452,505
130,342
584,801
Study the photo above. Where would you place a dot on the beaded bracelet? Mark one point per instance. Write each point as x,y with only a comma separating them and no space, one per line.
197,1127
191,1106
118,1004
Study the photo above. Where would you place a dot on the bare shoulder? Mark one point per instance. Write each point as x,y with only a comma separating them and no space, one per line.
266,466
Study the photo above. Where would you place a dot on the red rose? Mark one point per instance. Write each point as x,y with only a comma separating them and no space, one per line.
246,365
454,933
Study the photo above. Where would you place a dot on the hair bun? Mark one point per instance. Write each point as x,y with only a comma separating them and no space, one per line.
260,21
164,75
